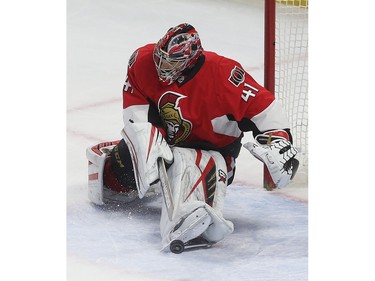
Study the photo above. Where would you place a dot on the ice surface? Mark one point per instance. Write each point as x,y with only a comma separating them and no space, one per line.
270,241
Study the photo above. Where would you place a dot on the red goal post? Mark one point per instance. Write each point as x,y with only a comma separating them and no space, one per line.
286,71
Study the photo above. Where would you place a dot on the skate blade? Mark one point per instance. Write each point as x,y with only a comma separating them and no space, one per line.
197,243
177,246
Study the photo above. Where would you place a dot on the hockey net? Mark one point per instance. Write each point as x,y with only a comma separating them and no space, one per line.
287,73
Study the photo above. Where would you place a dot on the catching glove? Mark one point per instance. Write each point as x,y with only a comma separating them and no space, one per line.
279,157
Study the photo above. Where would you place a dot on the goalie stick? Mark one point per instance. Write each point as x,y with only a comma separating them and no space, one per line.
165,188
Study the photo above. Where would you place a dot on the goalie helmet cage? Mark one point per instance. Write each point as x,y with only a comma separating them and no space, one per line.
286,71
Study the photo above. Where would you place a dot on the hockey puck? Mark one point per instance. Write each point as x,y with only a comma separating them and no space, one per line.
177,246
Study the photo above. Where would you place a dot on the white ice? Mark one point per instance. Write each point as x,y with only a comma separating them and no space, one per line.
270,241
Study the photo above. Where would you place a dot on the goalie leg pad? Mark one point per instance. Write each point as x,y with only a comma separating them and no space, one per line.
96,156
103,184
199,181
95,175
219,228
192,226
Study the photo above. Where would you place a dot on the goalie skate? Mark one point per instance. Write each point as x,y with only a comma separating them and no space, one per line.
187,230
177,246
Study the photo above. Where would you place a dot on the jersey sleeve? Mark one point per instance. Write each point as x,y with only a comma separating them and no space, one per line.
135,104
247,102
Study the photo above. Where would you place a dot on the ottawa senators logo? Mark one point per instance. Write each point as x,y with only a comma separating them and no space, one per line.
176,126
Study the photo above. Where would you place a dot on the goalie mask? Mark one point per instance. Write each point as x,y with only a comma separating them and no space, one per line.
177,51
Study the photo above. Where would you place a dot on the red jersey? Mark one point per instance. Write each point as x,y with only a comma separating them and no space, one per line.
209,108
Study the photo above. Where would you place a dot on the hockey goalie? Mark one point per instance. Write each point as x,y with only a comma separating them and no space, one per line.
185,111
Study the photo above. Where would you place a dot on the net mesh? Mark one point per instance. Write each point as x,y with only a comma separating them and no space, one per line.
291,71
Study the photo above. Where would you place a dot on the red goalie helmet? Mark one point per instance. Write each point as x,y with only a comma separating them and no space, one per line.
178,50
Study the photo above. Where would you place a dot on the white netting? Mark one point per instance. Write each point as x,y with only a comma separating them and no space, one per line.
291,70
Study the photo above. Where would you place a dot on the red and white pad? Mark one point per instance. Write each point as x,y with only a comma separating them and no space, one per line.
199,181
96,156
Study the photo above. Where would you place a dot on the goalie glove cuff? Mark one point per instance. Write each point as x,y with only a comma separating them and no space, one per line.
272,136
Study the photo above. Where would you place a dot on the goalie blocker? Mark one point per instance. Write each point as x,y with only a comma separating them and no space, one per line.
123,170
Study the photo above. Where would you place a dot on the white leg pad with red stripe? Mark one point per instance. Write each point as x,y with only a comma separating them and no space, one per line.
198,180
96,155
95,170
